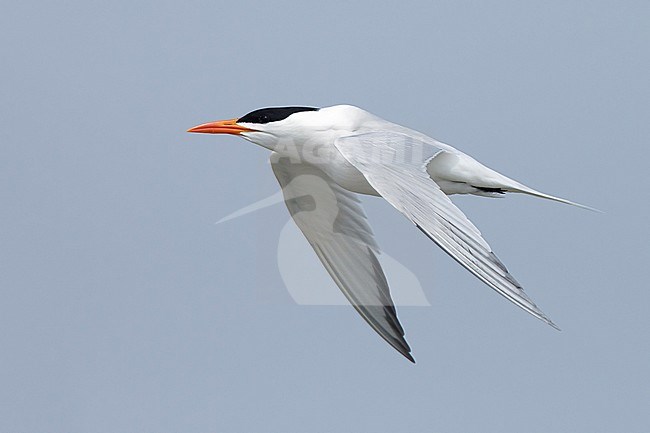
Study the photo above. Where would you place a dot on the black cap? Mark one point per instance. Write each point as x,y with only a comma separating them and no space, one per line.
272,114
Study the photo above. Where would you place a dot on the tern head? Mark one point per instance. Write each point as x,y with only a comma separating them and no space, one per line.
269,127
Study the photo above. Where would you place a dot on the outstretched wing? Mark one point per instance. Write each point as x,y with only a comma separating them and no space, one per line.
395,165
335,225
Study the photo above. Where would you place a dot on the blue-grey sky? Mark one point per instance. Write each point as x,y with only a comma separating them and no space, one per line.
126,309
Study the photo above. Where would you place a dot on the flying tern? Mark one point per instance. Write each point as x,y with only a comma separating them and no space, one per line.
323,157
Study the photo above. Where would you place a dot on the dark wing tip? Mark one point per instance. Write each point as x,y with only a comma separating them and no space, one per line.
402,347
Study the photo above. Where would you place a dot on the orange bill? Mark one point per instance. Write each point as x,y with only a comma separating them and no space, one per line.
229,126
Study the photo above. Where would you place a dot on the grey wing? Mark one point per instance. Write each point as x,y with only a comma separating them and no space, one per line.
395,165
334,223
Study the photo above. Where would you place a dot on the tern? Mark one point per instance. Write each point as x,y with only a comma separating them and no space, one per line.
323,157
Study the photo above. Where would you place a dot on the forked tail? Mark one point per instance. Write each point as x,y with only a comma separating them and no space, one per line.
526,190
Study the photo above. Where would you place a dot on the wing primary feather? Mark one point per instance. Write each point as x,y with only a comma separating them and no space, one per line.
335,226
